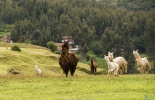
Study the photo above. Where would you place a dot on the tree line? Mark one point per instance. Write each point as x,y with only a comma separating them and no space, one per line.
97,25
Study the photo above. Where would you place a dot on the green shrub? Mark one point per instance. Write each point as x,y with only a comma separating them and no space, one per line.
57,52
15,48
87,57
2,30
52,46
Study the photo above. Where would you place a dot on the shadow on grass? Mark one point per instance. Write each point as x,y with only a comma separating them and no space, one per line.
89,72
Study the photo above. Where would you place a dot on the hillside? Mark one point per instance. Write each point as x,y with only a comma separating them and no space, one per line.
119,26
30,55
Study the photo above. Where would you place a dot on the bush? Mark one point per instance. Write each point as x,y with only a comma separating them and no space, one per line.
87,57
52,46
15,48
2,30
57,52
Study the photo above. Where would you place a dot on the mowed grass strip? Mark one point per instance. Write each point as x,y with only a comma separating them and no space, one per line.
98,87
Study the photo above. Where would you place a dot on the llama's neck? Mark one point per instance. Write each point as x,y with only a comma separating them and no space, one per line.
92,62
111,59
137,56
65,52
109,63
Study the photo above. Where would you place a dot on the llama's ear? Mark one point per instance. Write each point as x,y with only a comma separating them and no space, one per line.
108,52
137,50
112,52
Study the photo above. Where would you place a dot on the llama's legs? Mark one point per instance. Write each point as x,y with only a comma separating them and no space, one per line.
121,71
126,69
72,71
91,70
66,72
116,72
148,67
141,70
109,72
95,70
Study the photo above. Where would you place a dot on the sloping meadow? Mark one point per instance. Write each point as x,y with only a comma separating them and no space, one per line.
31,55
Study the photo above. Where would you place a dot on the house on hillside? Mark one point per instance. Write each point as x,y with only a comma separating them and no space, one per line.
71,43
68,38
5,39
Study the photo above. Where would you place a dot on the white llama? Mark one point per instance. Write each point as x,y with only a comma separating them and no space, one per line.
38,70
112,67
142,63
120,61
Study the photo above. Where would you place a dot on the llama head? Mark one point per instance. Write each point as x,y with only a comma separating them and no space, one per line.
91,59
110,55
136,54
106,58
36,66
65,47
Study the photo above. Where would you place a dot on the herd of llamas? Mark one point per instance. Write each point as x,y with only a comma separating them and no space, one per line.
118,65
68,62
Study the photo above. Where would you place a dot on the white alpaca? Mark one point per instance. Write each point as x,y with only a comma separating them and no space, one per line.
142,63
120,61
112,66
38,70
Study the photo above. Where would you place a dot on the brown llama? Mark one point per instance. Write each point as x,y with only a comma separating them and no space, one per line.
67,61
93,66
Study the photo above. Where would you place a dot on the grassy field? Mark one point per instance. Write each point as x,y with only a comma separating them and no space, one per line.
53,85
92,87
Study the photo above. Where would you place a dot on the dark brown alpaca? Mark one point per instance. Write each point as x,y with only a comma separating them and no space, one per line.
67,61
93,66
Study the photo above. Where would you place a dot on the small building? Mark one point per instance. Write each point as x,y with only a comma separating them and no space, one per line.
74,50
68,38
59,46
71,43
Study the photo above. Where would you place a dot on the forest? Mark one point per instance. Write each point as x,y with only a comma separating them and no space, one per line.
120,26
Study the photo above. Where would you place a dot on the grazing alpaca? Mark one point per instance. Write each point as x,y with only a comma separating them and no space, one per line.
112,67
67,61
38,70
142,63
120,61
93,66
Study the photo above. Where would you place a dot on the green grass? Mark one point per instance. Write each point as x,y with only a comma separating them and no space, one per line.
93,87
53,85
